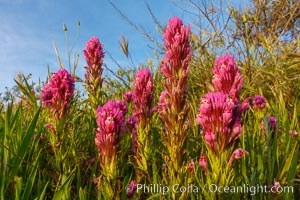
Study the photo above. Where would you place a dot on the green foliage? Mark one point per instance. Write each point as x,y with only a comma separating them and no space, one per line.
37,164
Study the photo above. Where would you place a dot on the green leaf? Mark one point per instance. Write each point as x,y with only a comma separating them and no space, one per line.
5,150
18,187
31,179
287,164
25,142
43,192
29,135
63,190
82,194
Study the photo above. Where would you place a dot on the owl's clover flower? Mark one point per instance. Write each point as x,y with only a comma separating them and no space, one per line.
58,92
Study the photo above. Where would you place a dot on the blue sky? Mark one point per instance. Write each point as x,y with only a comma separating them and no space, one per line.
28,29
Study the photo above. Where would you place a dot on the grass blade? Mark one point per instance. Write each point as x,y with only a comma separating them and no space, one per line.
31,179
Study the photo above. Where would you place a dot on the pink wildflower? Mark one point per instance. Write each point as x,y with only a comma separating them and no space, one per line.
172,106
95,181
50,127
123,106
58,92
237,154
131,188
293,133
164,101
131,123
92,161
275,188
276,184
227,77
93,76
245,105
94,53
41,138
259,102
128,96
47,95
203,162
178,51
175,66
191,166
219,120
110,126
142,95
272,123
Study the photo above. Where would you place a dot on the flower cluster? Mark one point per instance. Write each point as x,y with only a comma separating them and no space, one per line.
237,154
259,102
93,76
218,120
110,123
58,92
94,56
142,95
227,78
220,111
178,51
172,107
175,68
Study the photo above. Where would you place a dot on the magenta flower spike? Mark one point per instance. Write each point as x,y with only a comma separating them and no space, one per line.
110,126
172,107
110,123
58,92
219,120
178,51
259,102
142,95
94,56
227,77
272,123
